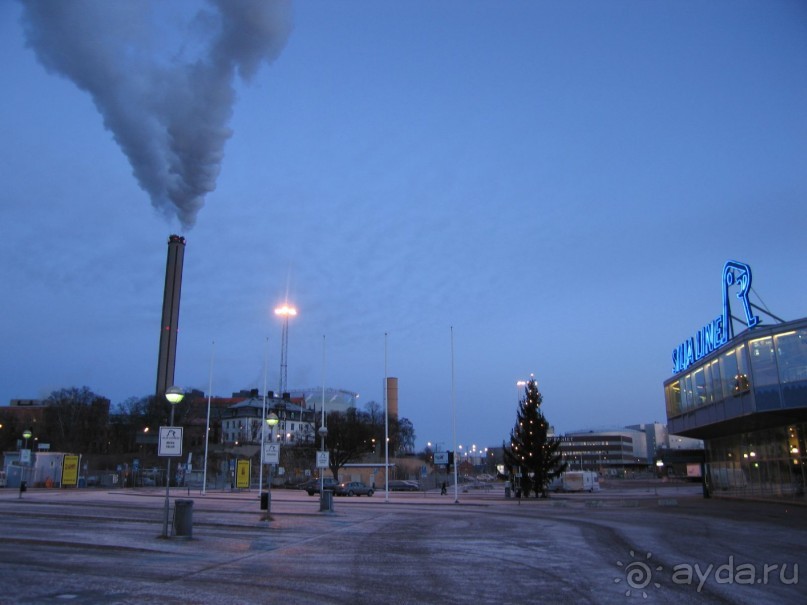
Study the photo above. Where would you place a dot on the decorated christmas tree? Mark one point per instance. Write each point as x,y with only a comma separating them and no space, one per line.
533,457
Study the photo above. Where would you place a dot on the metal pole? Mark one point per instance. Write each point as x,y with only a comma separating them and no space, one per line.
269,477
207,425
386,425
167,482
263,418
322,472
284,344
454,420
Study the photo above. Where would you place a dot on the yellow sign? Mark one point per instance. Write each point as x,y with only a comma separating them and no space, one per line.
70,470
242,473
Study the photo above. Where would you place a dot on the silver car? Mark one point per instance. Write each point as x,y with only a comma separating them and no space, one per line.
353,488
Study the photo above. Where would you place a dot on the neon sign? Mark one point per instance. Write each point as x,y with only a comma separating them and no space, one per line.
719,331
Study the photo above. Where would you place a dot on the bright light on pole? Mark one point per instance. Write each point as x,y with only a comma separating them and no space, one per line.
285,312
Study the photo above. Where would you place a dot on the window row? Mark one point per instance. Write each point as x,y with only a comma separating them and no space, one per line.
770,360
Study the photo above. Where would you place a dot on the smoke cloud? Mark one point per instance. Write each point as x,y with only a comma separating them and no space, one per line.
166,97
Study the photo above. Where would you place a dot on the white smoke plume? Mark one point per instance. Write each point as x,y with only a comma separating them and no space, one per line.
166,101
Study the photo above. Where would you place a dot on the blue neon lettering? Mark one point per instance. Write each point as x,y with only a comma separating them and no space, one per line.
719,331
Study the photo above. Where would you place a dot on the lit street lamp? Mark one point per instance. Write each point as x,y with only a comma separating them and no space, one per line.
174,395
26,435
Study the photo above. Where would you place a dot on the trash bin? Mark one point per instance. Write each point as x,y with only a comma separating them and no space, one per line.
265,500
326,501
183,518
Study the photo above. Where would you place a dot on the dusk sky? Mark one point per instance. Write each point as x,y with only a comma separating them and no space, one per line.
561,182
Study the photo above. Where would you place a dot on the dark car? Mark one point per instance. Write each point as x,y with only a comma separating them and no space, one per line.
313,487
397,485
353,488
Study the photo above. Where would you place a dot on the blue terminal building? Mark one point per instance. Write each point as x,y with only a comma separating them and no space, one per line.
745,396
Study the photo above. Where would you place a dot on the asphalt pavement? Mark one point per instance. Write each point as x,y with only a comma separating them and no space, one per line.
642,542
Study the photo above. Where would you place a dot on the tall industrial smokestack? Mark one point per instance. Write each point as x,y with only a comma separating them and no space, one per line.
170,320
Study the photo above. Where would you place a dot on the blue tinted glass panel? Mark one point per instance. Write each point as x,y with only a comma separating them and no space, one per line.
728,372
699,387
674,399
791,353
763,361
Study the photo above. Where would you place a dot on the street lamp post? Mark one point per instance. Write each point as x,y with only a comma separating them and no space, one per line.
26,435
323,432
174,395
271,421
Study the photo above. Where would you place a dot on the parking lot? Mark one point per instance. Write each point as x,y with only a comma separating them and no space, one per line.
650,544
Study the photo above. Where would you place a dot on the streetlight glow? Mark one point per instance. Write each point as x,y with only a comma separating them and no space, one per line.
286,311
174,395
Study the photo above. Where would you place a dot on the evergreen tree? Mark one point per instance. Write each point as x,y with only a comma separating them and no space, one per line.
532,451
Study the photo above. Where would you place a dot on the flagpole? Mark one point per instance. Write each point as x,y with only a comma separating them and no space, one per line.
207,426
386,425
454,421
263,418
323,433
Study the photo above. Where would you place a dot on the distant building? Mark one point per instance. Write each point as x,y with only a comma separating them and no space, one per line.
242,423
635,447
602,450
27,403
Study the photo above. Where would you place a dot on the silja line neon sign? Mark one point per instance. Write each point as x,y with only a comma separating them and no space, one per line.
719,331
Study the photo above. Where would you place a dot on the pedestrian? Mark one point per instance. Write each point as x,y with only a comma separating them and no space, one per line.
443,490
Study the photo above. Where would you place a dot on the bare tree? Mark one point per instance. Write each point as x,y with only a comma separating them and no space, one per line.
349,436
76,420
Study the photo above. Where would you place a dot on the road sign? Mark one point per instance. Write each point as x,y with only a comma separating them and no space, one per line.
322,459
243,474
441,457
170,441
271,453
70,470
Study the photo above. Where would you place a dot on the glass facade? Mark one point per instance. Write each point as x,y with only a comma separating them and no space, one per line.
772,368
748,402
766,464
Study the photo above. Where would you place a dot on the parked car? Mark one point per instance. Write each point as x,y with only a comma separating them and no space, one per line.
397,485
353,488
313,488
